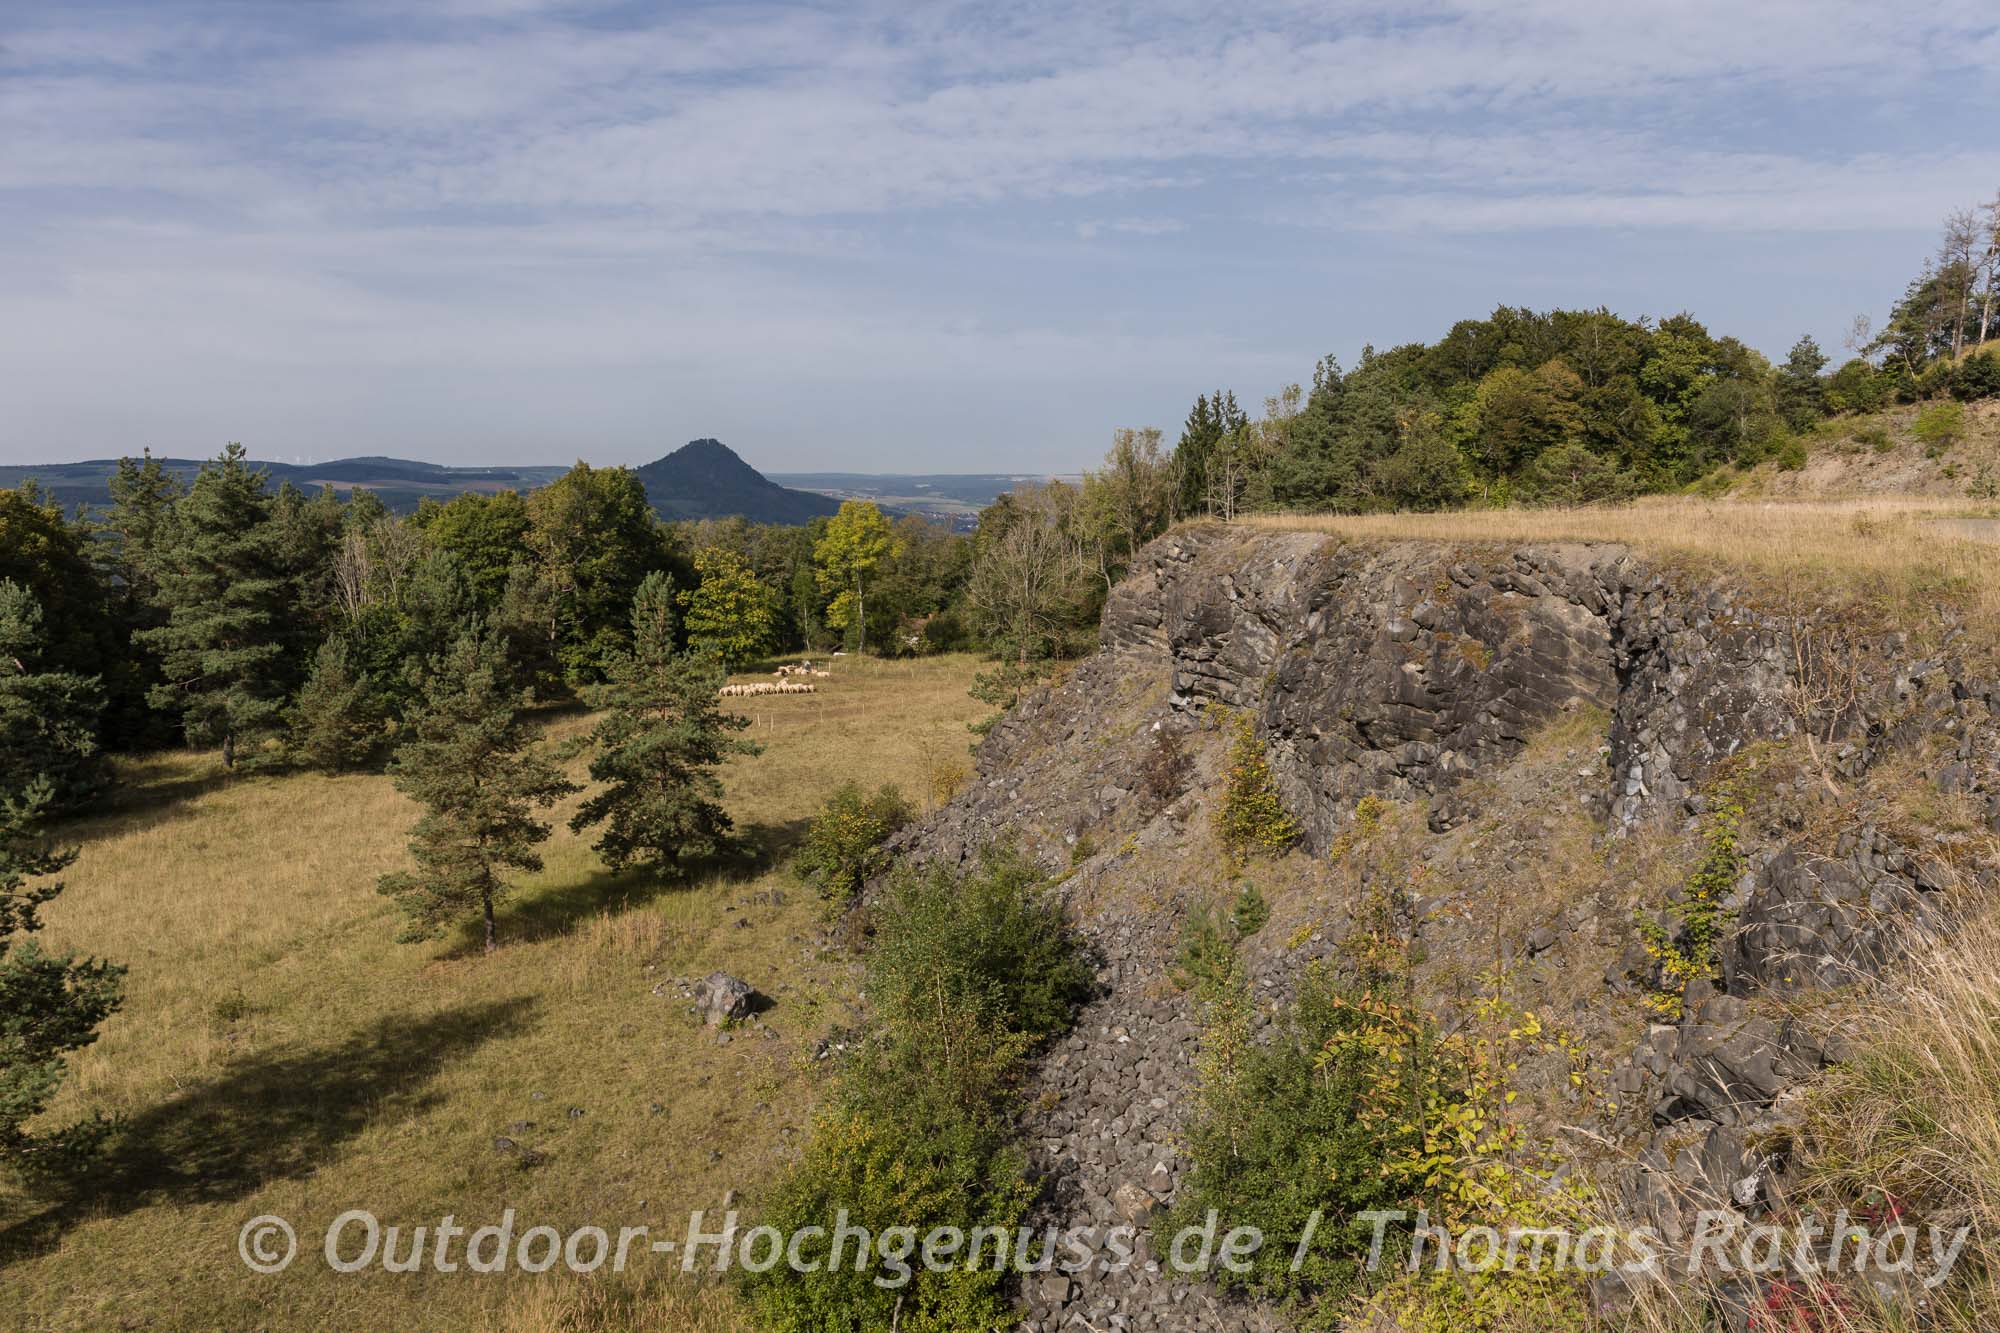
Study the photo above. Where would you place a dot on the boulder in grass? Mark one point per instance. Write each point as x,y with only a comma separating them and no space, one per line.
720,998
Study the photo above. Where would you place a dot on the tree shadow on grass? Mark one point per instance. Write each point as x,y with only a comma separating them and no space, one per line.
550,913
267,1118
553,912
128,806
771,843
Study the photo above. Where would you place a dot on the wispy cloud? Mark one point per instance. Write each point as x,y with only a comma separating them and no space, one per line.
484,184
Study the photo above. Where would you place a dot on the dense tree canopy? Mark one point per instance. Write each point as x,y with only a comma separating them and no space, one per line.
596,540
728,612
853,546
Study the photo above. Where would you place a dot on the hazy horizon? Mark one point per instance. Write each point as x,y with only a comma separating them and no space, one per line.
313,460
879,239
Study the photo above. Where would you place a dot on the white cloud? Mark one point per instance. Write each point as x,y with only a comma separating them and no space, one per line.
221,200
801,112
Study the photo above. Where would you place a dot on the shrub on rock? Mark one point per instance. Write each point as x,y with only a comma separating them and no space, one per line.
843,847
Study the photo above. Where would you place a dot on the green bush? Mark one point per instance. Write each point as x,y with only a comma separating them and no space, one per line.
1252,817
1569,474
1713,484
1207,958
1791,455
1305,1123
1250,912
1002,688
1687,944
864,1163
991,934
843,847
1858,387
1978,377
1355,1102
1939,425
1936,379
970,971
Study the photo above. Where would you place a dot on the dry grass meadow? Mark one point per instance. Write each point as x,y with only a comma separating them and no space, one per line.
279,1053
1892,553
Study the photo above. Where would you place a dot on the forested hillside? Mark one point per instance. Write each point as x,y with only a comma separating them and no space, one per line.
1579,406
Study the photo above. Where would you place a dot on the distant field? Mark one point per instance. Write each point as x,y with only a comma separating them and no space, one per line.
279,1053
955,497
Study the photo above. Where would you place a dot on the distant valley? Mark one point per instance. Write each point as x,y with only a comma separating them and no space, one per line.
953,496
702,479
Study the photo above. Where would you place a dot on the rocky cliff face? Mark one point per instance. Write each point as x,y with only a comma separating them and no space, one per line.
1401,670
1547,717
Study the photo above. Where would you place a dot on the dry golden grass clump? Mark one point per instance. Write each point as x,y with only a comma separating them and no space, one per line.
279,1053
1911,1125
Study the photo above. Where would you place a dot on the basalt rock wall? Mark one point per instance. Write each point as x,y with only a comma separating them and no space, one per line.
1423,674
1400,669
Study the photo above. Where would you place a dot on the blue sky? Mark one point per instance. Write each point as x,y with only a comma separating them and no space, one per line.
911,237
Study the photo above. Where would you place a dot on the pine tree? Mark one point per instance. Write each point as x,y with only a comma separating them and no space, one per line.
48,719
659,746
338,716
49,1004
140,527
142,517
1210,420
226,596
61,563
1801,392
1198,437
308,534
468,763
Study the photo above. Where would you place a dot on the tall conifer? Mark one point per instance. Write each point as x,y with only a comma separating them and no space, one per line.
50,1004
468,762
48,719
227,600
659,745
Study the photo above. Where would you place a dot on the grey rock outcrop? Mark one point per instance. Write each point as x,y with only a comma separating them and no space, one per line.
1420,673
1402,669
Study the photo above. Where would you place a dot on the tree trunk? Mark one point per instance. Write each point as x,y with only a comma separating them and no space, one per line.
860,619
488,896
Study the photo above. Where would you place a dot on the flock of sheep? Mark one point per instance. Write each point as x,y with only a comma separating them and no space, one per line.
781,686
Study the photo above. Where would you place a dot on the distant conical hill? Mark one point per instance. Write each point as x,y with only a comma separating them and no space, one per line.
705,479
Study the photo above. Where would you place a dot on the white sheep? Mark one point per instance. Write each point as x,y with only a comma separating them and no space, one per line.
758,689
